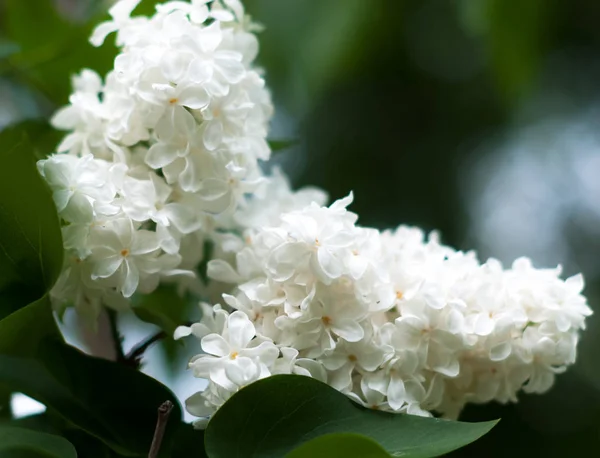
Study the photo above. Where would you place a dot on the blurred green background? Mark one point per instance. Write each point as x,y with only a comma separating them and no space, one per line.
479,118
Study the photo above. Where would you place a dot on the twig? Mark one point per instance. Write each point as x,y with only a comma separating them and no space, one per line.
116,336
134,357
161,424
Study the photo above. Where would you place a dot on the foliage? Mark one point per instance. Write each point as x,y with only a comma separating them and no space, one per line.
46,64
19,442
271,417
30,239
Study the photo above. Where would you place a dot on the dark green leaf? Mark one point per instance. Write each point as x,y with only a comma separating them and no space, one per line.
188,442
37,134
58,49
31,250
271,417
342,445
42,422
48,422
88,446
35,321
20,442
114,403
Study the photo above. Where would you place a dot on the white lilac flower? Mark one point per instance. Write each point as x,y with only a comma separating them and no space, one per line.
395,320
160,147
123,255
162,155
78,185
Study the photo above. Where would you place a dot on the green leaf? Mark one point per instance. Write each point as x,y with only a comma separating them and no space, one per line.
34,321
88,446
20,442
31,252
58,49
341,445
188,443
36,134
48,422
43,422
114,403
271,417
164,308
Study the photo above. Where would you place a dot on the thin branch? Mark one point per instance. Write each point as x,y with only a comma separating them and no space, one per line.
135,355
115,335
161,424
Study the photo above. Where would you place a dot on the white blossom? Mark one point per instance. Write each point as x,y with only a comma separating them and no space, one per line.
162,155
158,149
395,320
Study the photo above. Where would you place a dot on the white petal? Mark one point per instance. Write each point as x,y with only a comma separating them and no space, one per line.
501,351
219,376
211,36
182,331
213,189
348,329
575,283
102,31
132,279
222,271
202,366
232,70
241,330
144,242
484,325
160,155
396,393
267,352
242,371
341,379
334,361
372,360
189,177
194,97
451,368
329,263
106,267
212,134
197,406
216,345
78,210
199,71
